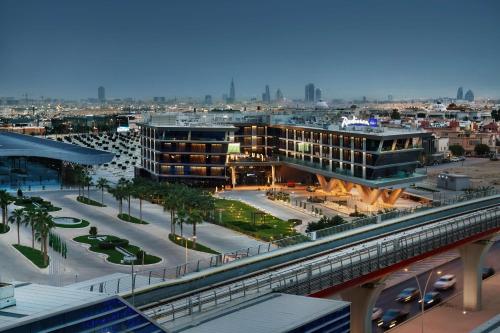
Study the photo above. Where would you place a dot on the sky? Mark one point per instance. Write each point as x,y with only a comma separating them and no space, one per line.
350,48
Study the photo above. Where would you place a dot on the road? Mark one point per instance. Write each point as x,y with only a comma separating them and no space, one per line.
387,297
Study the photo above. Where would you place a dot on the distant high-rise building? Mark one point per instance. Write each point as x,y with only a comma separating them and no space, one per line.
160,99
266,96
232,92
279,95
317,94
208,99
390,98
309,97
469,96
101,94
225,98
460,93
364,99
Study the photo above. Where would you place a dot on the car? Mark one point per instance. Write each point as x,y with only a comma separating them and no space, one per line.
408,295
377,313
431,299
445,282
461,158
487,272
391,318
454,159
290,184
311,189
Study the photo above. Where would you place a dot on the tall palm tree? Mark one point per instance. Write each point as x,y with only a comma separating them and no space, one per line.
87,181
5,200
29,219
140,190
118,192
102,183
44,223
17,218
199,204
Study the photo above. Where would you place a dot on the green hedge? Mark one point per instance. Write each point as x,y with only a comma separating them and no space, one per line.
88,201
4,228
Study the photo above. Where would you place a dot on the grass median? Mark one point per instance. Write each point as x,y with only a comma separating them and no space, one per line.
182,242
131,219
89,202
34,255
246,219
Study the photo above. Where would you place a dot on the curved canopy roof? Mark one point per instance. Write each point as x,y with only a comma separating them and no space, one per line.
14,144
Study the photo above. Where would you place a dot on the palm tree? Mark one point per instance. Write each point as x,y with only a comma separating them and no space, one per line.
29,218
140,190
118,192
102,183
171,201
44,223
199,204
17,218
87,181
5,200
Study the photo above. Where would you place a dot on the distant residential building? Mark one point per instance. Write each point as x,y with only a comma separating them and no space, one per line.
208,99
469,96
460,93
309,95
279,95
317,96
232,92
101,94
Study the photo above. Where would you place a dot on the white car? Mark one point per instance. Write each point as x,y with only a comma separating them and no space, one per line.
377,313
455,159
445,282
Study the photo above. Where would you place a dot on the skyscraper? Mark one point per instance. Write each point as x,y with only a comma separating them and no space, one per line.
309,92
232,92
279,96
101,94
266,96
317,93
460,93
208,99
469,96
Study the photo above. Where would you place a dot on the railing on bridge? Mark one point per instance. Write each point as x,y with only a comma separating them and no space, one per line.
336,269
153,276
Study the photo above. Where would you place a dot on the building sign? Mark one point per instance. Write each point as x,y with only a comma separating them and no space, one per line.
358,122
233,148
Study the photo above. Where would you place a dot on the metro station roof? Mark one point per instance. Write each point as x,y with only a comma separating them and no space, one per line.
14,144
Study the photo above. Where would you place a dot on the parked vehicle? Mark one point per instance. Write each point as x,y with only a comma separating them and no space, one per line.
377,313
311,189
290,184
487,272
392,317
445,282
408,295
431,299
455,159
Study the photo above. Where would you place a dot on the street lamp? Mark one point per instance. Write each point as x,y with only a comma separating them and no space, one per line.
422,294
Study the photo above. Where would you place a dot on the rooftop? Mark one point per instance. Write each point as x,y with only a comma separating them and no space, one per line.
14,144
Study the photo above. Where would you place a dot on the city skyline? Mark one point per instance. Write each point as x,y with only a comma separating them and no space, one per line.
350,50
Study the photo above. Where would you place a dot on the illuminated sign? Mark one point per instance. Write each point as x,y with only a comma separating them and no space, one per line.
359,122
233,148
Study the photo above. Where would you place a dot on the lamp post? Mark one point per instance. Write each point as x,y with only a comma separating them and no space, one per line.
422,294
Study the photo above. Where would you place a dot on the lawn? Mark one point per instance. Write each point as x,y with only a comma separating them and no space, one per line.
34,255
82,224
241,217
132,219
182,242
113,255
32,202
88,201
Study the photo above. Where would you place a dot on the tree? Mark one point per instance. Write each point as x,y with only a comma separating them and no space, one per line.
140,190
172,197
17,218
87,181
126,187
93,231
44,223
457,150
395,114
118,192
5,200
30,220
481,149
102,183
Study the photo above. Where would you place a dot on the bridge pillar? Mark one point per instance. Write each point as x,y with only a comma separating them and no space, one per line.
472,255
363,300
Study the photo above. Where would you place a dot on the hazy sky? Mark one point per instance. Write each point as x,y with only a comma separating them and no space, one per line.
407,48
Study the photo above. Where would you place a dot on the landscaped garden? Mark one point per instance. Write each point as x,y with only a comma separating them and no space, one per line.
117,249
132,219
241,217
36,202
89,202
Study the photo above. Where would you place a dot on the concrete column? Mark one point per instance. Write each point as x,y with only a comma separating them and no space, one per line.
472,255
233,176
273,175
362,300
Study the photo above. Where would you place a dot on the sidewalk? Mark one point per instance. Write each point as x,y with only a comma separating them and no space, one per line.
450,317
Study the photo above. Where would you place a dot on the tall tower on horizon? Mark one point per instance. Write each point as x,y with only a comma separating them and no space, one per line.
232,92
317,95
460,93
101,94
